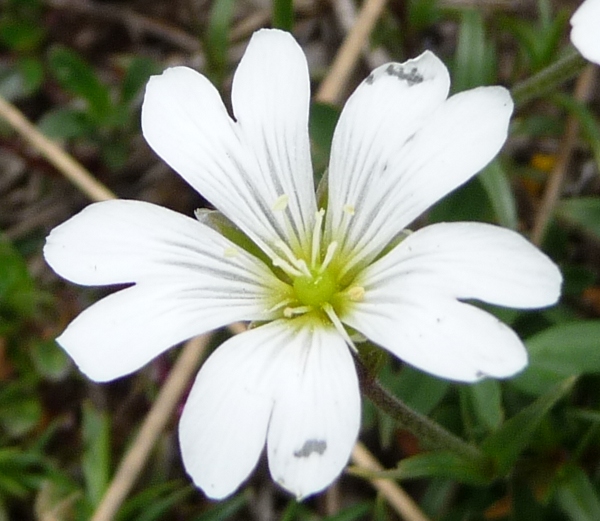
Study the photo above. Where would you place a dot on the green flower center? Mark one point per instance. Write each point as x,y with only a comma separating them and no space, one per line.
315,290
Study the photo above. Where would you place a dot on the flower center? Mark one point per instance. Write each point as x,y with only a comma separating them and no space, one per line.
315,290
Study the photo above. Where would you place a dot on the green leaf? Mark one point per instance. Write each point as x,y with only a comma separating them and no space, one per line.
50,360
217,39
138,73
323,119
576,495
352,513
18,297
442,464
497,187
21,35
65,123
486,400
77,77
559,352
475,56
283,14
583,212
586,119
96,452
20,413
226,509
506,444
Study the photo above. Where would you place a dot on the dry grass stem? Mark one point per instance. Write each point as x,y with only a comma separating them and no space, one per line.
398,499
347,57
583,91
70,168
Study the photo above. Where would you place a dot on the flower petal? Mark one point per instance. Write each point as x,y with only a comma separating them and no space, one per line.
441,336
469,261
124,331
584,33
384,112
224,424
117,242
270,96
316,417
454,143
186,123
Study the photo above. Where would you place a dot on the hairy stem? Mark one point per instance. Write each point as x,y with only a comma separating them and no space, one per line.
549,78
431,434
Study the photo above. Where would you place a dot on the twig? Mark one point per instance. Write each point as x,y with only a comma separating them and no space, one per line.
400,501
583,91
154,423
70,168
332,86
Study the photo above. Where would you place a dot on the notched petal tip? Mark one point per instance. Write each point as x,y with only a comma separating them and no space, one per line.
425,68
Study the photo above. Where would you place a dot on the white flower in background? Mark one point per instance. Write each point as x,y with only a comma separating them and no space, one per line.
315,276
585,32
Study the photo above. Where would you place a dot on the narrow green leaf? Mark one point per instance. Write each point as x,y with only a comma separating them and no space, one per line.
575,494
77,77
586,119
283,14
475,55
583,212
442,464
217,39
65,123
559,352
506,444
352,513
497,187
486,399
226,509
96,452
138,73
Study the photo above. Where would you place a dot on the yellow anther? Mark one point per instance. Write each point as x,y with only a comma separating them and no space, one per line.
356,293
281,203
300,310
349,209
231,252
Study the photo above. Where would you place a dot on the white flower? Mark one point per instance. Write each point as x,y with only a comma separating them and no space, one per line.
585,32
314,277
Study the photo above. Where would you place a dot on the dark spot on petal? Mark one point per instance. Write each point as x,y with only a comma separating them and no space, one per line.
311,446
370,79
412,77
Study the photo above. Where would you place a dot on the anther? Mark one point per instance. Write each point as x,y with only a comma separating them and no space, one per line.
300,310
349,209
230,252
328,256
356,293
316,237
281,203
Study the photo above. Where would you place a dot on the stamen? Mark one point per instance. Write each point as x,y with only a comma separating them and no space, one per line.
230,252
338,325
316,238
284,302
356,293
349,209
328,256
287,267
299,264
281,203
300,310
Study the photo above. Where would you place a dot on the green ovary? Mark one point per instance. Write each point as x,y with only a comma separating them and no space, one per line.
316,290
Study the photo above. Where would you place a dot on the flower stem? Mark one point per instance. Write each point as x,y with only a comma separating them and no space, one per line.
431,434
547,79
